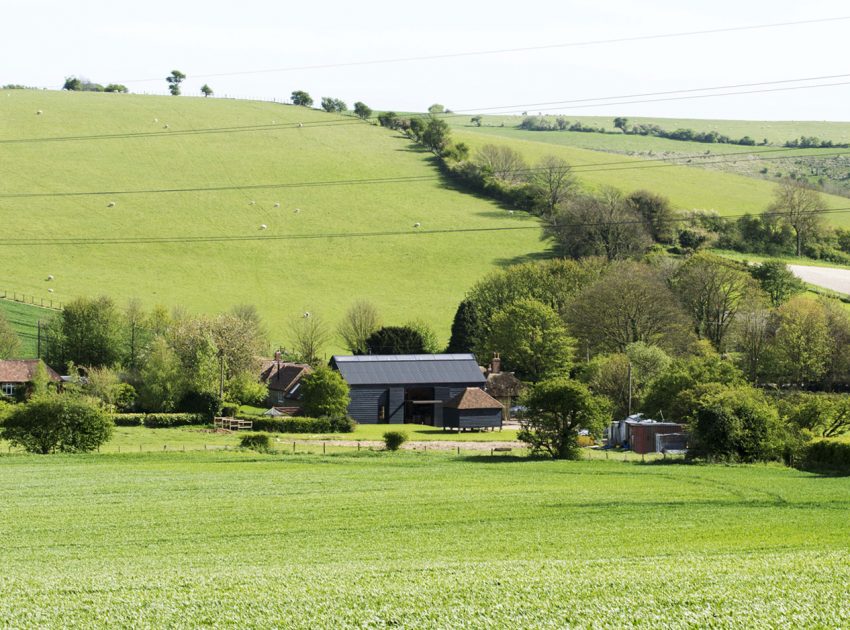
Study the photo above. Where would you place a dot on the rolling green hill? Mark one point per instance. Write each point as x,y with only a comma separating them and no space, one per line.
688,188
413,275
24,319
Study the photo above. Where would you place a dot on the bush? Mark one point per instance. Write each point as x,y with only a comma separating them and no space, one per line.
826,456
58,423
341,424
394,439
259,442
128,419
325,393
229,409
166,420
205,403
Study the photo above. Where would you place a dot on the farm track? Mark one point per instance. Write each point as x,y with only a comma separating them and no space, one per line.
826,277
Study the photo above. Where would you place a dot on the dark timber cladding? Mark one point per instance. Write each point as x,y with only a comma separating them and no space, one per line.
406,387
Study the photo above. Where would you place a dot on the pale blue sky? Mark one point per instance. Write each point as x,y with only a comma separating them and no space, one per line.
112,41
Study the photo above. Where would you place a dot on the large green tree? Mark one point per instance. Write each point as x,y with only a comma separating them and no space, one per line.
325,393
360,320
162,381
556,410
10,343
300,97
174,80
800,346
801,207
88,332
532,340
396,340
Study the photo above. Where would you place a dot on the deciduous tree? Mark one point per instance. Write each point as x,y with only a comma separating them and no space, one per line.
358,323
10,343
300,97
174,80
325,393
362,110
800,207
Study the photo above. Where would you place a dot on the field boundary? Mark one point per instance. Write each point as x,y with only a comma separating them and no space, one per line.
23,298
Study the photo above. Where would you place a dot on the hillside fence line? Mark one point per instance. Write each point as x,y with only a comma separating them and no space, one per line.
23,298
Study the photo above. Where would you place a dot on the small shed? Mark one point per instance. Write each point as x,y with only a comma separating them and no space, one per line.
473,408
642,435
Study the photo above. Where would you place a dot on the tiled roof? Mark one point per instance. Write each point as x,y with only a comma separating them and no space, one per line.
23,371
281,376
474,398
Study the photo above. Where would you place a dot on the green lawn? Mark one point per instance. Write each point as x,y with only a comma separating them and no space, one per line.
417,540
24,319
413,275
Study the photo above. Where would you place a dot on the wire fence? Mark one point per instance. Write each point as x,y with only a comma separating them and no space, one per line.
23,298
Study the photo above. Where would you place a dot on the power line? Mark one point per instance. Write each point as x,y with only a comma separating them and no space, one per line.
582,103
471,110
185,240
624,165
501,51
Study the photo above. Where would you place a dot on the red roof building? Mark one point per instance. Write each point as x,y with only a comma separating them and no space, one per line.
17,373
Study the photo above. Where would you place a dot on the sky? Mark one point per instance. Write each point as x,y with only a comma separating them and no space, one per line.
138,44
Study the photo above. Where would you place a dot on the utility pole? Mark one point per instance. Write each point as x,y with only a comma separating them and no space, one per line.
38,350
630,388
221,375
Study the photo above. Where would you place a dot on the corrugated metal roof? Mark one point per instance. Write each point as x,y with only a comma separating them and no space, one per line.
409,369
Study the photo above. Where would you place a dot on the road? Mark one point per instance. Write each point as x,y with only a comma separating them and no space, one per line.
826,277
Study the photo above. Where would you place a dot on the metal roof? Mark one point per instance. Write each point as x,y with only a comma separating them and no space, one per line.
409,369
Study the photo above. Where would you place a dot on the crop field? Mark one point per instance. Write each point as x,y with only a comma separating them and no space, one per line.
24,319
417,540
178,252
687,188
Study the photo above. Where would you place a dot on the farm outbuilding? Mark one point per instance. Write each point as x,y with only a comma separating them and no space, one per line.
473,409
639,433
283,380
416,388
16,375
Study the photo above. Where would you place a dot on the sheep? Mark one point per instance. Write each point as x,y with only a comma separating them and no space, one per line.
306,314
50,290
297,210
417,224
263,226
39,113
510,211
111,204
165,126
300,125
252,202
50,277
277,204
156,119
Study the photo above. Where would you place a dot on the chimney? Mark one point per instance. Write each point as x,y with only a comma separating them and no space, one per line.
495,364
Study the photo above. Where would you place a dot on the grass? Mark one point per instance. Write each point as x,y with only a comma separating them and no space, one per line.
415,272
776,131
687,188
417,540
24,319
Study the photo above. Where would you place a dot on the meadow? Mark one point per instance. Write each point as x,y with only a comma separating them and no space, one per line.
417,540
24,319
687,188
297,264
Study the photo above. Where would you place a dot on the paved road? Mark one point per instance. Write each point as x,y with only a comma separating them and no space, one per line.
437,445
826,277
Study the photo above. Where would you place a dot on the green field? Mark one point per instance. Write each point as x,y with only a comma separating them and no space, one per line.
24,319
687,188
776,131
417,540
413,275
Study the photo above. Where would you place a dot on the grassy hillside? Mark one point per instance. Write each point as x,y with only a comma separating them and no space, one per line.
776,131
415,275
687,188
248,540
24,319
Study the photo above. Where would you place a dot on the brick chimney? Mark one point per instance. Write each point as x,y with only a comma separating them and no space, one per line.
495,364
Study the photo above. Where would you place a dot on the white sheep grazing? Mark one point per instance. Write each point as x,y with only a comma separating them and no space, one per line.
50,290
297,210
300,125
263,226
39,113
156,119
510,211
417,224
277,204
252,202
50,277
111,204
165,126
306,314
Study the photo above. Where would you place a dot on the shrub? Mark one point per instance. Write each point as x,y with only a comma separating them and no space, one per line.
166,420
229,409
394,439
341,424
826,456
259,442
58,423
128,419
325,393
205,403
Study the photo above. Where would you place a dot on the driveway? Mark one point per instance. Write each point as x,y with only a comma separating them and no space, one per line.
826,277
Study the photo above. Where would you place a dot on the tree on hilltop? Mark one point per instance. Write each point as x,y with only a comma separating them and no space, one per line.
206,90
300,97
174,81
362,110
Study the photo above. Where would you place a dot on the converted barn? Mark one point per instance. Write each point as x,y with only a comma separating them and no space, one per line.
415,388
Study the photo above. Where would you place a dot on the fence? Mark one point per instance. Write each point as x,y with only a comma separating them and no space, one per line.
23,298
